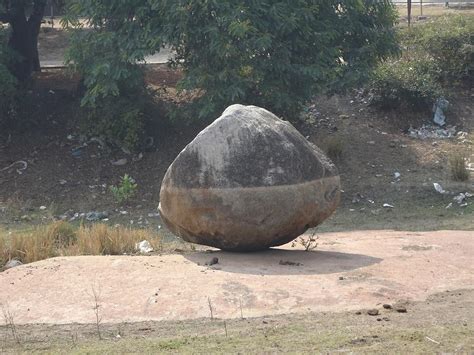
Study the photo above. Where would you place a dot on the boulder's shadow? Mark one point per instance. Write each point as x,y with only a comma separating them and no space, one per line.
283,262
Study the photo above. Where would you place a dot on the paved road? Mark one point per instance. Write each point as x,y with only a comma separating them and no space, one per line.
48,61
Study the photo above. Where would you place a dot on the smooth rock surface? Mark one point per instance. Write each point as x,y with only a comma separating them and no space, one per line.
248,181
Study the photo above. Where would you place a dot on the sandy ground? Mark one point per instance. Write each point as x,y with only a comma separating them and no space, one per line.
347,271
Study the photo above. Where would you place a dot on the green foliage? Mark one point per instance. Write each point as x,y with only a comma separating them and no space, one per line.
106,51
275,54
449,41
125,190
410,83
437,55
117,120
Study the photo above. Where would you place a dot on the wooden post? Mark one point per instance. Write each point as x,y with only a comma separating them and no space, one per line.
409,12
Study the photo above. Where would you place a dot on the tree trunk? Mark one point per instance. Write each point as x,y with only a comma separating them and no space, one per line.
24,38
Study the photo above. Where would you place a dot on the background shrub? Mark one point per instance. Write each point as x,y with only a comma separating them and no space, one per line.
436,56
449,41
119,121
406,82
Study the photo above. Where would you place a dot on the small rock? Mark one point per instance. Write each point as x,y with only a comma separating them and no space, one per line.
119,162
397,175
400,308
358,313
42,208
12,263
373,312
387,205
341,278
291,263
387,306
96,216
213,261
371,142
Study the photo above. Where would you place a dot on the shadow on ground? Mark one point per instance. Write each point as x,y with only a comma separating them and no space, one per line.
283,262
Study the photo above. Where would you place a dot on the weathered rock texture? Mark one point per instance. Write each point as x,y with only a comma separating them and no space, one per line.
247,182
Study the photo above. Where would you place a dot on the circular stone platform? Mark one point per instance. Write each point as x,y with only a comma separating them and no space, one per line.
348,271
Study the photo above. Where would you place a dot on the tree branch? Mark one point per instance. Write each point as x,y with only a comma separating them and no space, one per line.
37,13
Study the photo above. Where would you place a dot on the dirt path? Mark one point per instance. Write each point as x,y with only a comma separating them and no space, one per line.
348,271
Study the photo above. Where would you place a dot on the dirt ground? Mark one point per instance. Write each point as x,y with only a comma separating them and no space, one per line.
441,324
374,147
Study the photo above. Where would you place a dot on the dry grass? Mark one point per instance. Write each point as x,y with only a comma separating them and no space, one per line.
334,147
100,239
457,164
61,238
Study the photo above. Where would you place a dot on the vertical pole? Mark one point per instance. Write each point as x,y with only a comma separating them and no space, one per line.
409,12
421,7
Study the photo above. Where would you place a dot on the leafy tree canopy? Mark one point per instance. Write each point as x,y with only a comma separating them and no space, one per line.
271,53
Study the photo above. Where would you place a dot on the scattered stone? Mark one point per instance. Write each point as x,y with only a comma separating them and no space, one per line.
358,313
400,308
397,175
387,205
341,278
373,312
42,208
12,263
96,216
387,306
430,131
213,261
144,247
290,263
120,162
249,181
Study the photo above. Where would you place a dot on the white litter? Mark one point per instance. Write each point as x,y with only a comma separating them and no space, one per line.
144,247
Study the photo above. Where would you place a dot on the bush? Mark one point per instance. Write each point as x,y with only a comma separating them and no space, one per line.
119,121
449,41
409,83
125,190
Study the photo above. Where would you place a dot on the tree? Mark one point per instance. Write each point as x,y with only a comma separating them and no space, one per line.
24,18
272,53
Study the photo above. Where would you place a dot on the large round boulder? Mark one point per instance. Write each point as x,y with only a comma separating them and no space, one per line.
248,181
